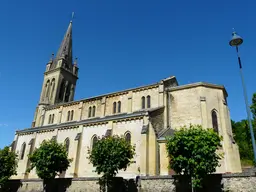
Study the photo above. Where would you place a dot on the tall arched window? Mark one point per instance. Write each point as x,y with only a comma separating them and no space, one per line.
66,143
143,105
114,107
148,102
50,119
52,87
31,143
94,140
23,148
67,93
215,122
119,107
93,111
47,88
90,112
68,117
62,89
128,137
72,115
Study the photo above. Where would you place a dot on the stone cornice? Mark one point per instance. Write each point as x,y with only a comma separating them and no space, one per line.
203,84
108,95
61,69
87,122
113,94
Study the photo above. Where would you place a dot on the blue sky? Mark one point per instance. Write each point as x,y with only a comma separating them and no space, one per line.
122,44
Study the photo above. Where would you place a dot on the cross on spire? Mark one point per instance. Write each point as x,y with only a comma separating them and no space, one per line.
72,17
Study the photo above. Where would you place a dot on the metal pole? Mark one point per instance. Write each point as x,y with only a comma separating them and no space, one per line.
247,105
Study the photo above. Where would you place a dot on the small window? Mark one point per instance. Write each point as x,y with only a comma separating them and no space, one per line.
215,122
72,115
90,112
68,118
23,148
114,107
143,102
49,119
52,118
148,102
119,107
93,111
128,137
67,144
94,141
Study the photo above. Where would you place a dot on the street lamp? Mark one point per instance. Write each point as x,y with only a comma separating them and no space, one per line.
235,41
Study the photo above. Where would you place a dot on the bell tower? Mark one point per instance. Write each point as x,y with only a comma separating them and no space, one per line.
61,74
60,78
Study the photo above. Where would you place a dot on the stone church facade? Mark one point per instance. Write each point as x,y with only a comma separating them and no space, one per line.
144,115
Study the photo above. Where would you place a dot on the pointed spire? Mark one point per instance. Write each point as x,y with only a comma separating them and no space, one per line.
65,49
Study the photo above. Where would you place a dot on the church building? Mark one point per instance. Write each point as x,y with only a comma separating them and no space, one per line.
143,115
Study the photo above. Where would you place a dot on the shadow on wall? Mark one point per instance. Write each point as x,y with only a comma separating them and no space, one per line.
57,185
118,184
212,183
12,186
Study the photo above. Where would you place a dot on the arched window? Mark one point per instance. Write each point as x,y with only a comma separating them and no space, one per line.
93,111
62,89
31,143
143,105
47,88
215,122
90,112
94,140
53,87
66,143
68,118
23,148
50,119
114,107
67,93
128,137
72,115
148,102
119,107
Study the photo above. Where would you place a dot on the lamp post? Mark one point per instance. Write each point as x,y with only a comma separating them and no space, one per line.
235,41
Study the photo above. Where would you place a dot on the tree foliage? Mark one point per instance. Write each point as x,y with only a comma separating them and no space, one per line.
50,159
253,106
192,151
110,154
242,136
8,165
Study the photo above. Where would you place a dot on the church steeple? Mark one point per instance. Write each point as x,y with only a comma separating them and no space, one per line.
59,78
61,74
64,56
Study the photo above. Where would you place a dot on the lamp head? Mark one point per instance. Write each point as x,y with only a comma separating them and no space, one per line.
236,40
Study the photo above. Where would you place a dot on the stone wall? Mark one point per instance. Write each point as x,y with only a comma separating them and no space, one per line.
243,182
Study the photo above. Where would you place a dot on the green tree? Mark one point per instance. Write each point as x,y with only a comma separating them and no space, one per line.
192,152
8,165
110,154
242,137
50,159
253,106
